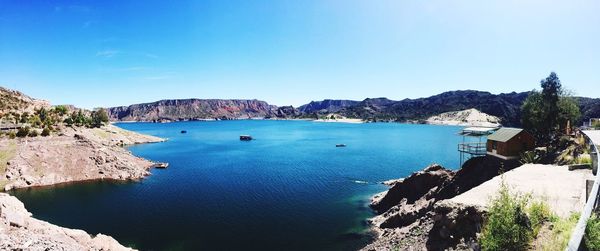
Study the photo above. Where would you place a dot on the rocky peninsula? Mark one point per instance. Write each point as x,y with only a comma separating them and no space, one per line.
81,148
76,154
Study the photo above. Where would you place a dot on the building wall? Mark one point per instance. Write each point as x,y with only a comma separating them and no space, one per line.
513,147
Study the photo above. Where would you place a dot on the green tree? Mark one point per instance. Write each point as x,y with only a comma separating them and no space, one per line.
78,118
547,112
99,117
568,111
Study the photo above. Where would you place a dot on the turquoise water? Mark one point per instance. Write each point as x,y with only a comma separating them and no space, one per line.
289,189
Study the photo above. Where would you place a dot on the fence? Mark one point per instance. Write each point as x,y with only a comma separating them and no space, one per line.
575,243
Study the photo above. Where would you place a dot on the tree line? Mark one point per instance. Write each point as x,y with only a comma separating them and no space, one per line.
49,119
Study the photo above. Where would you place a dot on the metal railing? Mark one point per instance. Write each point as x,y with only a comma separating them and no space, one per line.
473,148
575,242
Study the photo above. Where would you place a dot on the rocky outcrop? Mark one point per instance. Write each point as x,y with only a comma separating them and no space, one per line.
469,117
287,112
326,106
419,203
74,155
15,101
19,231
193,109
413,188
447,226
506,106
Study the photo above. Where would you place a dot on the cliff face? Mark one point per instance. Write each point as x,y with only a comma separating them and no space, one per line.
15,101
469,117
326,106
505,106
192,109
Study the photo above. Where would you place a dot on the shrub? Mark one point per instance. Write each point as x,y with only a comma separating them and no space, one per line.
560,233
61,110
46,132
592,233
529,157
584,159
69,121
539,212
33,133
12,135
507,226
22,132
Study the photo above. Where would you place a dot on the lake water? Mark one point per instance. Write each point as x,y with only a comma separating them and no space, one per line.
289,189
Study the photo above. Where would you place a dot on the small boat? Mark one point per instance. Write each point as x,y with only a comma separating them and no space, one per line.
161,165
340,145
245,137
183,131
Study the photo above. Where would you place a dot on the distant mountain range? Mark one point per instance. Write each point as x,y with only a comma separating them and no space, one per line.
506,106
326,106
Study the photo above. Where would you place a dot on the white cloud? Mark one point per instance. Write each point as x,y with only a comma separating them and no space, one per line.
107,53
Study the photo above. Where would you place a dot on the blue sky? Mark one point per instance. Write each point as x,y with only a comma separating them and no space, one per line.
108,53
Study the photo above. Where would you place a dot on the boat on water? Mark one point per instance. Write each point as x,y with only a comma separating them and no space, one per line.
161,165
245,137
183,131
340,145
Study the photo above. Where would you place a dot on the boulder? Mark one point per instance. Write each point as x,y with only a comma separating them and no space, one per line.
412,188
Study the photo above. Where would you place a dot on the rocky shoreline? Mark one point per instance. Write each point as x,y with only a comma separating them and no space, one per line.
416,213
74,155
20,231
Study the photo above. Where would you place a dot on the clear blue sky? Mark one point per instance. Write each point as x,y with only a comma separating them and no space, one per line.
107,53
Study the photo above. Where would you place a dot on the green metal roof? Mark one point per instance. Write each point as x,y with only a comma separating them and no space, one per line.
504,134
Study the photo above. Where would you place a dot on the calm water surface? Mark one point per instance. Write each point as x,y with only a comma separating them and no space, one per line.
289,189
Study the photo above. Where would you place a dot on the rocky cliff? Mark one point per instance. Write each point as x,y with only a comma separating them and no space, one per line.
414,214
469,117
66,154
193,109
15,101
326,106
506,106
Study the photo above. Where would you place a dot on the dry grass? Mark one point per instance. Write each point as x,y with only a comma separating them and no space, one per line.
7,152
554,235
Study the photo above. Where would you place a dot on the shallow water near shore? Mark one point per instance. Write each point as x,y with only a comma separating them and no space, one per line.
289,189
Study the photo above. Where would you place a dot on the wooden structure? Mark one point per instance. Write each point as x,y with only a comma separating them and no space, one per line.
509,143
